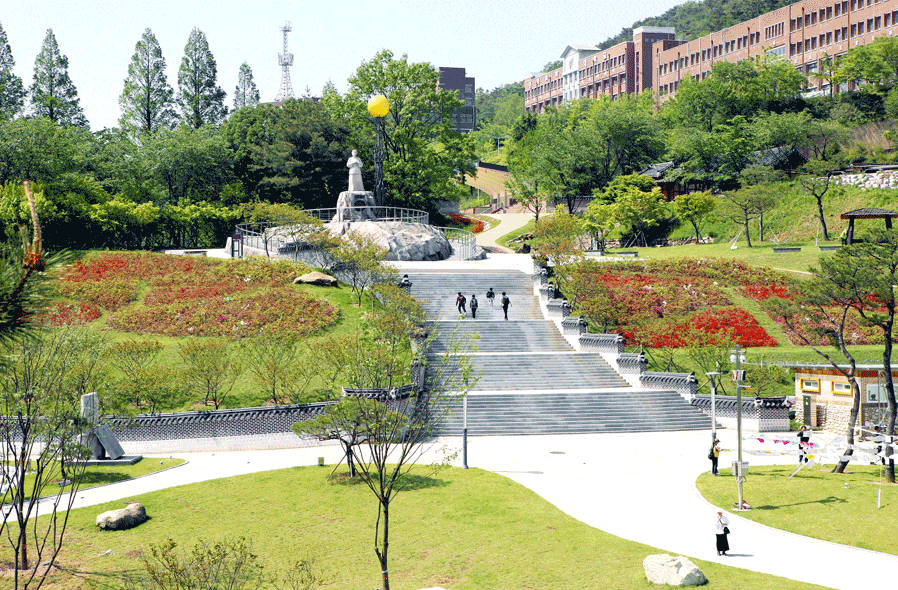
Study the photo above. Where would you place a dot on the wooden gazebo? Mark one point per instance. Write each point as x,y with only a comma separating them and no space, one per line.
866,214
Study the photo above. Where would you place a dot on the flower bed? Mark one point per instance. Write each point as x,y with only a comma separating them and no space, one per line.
463,221
732,324
190,296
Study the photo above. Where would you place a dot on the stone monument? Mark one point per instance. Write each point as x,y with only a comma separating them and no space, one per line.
100,439
355,204
357,213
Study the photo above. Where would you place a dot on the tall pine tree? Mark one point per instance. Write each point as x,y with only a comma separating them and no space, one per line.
246,94
200,98
12,92
147,98
53,95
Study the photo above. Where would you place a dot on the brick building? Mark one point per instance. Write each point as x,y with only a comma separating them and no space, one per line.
457,79
806,33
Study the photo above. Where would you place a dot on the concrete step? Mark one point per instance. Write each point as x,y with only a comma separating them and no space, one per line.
438,292
517,336
573,413
527,372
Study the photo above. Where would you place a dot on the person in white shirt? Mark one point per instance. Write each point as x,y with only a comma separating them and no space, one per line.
723,530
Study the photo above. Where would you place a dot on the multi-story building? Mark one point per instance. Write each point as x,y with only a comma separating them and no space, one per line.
587,71
465,119
807,33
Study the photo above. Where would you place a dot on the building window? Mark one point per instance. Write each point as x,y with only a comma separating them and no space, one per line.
811,385
860,28
777,51
829,12
829,38
838,8
841,388
838,32
792,25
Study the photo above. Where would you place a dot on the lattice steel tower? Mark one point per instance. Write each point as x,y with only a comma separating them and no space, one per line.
285,60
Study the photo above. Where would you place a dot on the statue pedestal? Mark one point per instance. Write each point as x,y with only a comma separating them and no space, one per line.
355,206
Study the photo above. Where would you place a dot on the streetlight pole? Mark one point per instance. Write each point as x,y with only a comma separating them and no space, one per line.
464,439
378,107
738,356
712,375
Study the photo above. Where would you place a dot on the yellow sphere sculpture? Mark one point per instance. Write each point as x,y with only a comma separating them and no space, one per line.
378,105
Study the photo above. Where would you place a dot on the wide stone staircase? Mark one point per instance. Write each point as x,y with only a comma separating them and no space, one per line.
531,379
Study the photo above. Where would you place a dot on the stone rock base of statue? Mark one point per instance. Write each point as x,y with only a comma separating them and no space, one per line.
355,206
403,241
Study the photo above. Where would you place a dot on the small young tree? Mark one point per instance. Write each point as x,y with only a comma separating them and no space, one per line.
746,204
816,180
391,434
359,261
142,384
212,368
694,208
246,94
276,365
560,239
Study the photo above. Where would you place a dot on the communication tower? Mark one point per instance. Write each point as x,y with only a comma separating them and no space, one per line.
285,60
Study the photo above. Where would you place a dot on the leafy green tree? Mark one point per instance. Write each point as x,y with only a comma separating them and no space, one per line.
38,149
146,100
191,165
817,180
200,98
425,155
552,65
559,239
144,381
53,95
246,94
746,204
277,366
716,157
211,368
865,275
360,260
12,92
292,154
876,62
637,211
695,208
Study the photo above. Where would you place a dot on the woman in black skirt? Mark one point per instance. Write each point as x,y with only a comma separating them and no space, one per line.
723,529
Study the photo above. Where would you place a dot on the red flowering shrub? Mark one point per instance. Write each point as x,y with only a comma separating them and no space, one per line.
194,296
729,323
762,292
64,314
476,225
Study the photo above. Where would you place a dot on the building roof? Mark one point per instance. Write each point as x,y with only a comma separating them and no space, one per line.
574,47
657,170
869,213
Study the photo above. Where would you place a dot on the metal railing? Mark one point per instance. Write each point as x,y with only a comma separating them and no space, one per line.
371,213
464,243
287,240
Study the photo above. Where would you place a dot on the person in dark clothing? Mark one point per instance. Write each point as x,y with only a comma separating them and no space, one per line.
491,296
474,306
505,303
804,438
715,455
460,303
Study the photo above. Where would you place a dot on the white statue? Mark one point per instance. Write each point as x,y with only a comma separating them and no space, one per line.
355,173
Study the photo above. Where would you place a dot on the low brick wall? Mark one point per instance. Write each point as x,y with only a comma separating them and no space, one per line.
768,414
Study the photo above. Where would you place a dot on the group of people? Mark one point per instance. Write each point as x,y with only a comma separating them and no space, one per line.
461,302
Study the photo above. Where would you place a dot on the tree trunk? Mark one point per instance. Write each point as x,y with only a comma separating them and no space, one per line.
852,422
890,392
698,234
822,218
761,227
747,233
385,546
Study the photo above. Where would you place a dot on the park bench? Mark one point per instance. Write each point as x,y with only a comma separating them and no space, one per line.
829,248
783,250
630,254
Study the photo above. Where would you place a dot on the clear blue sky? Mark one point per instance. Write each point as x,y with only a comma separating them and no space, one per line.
497,41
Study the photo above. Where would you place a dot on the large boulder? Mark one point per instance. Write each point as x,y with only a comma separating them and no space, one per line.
316,278
123,518
403,241
675,571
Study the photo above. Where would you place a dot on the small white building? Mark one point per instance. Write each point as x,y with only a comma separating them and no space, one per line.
823,395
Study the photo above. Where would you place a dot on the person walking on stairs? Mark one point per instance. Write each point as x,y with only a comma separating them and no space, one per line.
474,306
491,295
505,303
460,303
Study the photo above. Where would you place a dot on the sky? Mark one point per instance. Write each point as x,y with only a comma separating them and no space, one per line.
497,41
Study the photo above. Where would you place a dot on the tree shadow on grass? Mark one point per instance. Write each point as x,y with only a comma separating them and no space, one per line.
824,501
408,481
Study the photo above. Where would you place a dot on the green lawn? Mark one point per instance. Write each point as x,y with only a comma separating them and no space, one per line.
459,529
98,475
834,507
503,241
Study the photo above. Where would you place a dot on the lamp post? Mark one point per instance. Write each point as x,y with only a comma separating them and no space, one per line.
738,356
712,375
378,107
464,440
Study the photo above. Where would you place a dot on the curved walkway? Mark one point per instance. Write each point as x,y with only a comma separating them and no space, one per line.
509,223
636,486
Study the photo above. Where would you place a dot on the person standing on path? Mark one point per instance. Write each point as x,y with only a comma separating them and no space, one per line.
474,306
723,529
460,303
715,455
505,303
804,439
491,295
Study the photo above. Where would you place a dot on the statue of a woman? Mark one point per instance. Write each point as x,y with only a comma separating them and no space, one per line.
355,173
